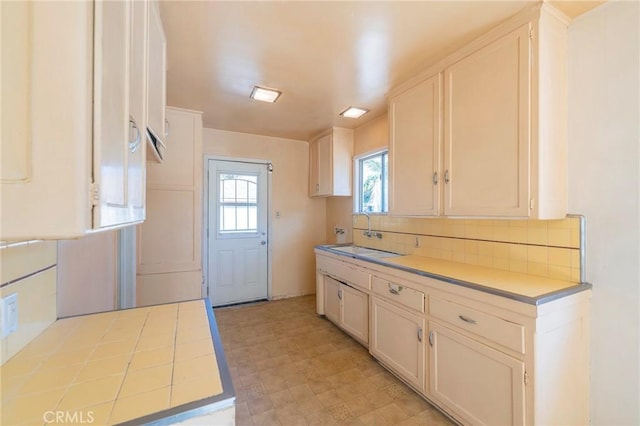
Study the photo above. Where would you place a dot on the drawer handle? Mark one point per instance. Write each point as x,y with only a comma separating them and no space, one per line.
394,289
419,334
467,319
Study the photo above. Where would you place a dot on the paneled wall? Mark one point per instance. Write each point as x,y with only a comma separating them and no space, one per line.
169,265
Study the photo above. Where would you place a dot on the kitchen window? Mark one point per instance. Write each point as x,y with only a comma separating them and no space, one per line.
371,182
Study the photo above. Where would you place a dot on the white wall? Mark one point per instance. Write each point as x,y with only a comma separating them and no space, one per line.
302,221
87,274
603,185
29,271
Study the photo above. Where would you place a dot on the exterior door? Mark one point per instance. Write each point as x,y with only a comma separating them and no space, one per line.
237,232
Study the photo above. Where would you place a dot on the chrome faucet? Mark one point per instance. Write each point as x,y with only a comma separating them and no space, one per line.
369,233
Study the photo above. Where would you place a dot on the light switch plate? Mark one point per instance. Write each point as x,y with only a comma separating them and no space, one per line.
9,315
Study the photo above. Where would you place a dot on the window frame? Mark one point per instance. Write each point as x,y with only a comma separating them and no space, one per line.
357,180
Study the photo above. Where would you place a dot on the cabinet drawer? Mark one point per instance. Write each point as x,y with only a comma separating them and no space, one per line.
354,275
503,332
398,293
328,266
343,271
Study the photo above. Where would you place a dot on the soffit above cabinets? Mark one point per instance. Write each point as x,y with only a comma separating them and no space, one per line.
324,56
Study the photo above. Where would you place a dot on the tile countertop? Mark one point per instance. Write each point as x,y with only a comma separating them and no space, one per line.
521,287
158,364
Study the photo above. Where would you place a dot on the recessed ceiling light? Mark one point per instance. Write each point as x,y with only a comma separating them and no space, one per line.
354,112
264,94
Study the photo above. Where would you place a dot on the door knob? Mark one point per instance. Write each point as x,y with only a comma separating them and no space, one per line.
263,243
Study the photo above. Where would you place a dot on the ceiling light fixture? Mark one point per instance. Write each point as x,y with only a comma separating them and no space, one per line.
263,94
354,112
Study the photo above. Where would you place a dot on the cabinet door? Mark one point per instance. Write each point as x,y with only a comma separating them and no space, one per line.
478,383
320,179
157,94
325,167
414,150
332,297
397,341
46,79
487,130
137,110
112,124
314,183
355,313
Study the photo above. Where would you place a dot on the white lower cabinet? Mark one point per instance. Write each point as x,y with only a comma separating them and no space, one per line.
348,308
484,359
355,313
478,383
397,339
332,299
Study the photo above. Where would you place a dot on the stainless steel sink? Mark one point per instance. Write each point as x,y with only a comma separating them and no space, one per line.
364,251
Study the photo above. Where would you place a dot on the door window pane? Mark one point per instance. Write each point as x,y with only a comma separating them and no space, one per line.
238,203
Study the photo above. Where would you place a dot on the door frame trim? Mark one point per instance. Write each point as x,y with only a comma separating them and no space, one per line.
205,218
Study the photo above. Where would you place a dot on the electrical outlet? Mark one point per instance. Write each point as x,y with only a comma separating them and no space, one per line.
9,314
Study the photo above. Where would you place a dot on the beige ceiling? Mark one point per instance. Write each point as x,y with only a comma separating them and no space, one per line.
323,56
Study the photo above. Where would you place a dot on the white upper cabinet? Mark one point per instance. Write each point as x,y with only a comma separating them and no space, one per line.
330,163
157,77
119,93
415,146
73,114
503,115
487,130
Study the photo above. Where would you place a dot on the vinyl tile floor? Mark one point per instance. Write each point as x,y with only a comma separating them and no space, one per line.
291,367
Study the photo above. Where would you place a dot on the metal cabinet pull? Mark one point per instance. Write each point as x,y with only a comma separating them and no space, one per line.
135,143
167,127
394,288
419,334
431,338
339,294
467,319
446,176
435,178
